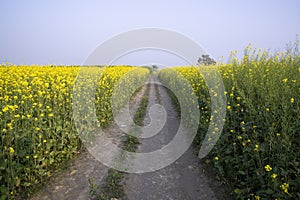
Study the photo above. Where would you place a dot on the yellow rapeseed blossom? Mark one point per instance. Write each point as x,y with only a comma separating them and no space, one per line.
11,150
274,176
292,100
285,187
256,147
268,168
257,197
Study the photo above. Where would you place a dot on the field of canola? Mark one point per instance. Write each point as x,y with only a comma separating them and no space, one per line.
37,129
258,152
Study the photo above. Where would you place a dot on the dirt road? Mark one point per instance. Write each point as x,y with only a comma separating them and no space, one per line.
181,180
184,179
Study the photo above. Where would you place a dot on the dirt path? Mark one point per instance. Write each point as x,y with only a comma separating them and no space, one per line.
183,179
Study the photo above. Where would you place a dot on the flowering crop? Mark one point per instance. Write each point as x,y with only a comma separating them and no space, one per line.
37,130
258,152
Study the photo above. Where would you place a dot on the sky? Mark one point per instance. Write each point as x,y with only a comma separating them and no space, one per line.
66,32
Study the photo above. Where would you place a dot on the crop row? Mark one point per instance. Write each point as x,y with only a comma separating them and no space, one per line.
38,133
258,152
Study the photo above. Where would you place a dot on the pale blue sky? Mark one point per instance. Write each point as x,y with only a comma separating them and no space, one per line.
65,32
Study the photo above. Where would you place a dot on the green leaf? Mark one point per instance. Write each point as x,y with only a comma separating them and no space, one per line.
242,172
269,191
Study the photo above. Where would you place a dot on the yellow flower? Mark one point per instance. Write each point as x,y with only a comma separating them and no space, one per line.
285,80
11,150
268,168
216,158
44,141
256,147
50,115
240,137
257,197
35,156
267,109
285,187
292,100
5,109
10,126
228,107
274,175
27,157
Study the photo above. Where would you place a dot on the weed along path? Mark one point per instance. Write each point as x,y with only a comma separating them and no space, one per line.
184,178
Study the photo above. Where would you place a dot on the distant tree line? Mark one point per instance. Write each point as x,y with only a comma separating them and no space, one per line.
206,60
